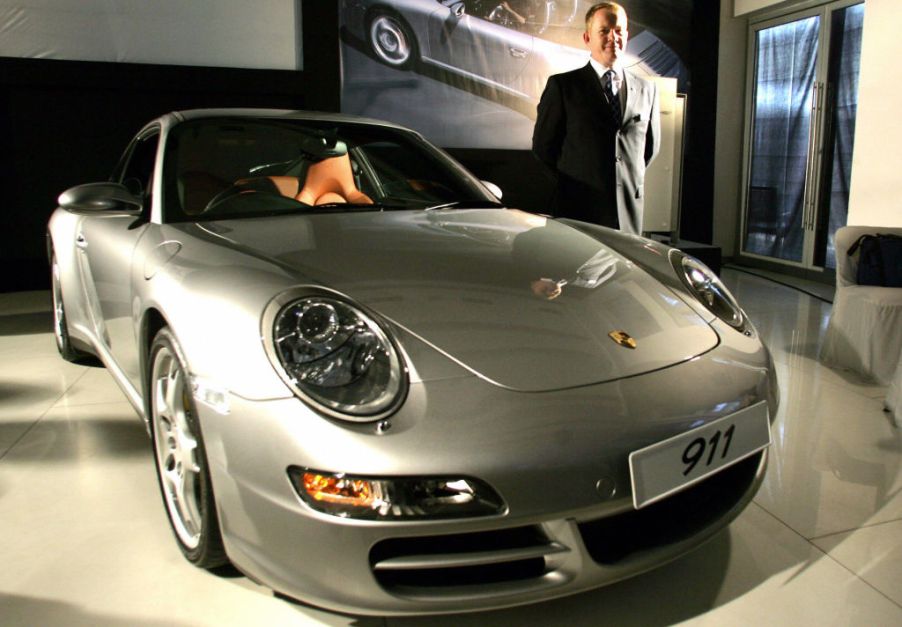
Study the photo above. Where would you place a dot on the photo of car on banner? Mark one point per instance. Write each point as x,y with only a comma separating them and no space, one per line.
500,52
371,386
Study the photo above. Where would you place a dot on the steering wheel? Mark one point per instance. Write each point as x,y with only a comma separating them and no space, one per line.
244,190
501,16
225,195
240,188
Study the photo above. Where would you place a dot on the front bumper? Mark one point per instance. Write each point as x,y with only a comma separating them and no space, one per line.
559,459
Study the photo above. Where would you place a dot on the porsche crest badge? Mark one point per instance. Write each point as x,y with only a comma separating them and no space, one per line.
623,338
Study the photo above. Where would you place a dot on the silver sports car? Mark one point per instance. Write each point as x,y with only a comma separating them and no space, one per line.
372,387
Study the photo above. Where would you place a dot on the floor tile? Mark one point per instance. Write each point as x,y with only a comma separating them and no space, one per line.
820,291
873,553
28,391
836,460
96,385
25,302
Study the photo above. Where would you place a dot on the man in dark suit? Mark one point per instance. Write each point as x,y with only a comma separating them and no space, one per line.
598,128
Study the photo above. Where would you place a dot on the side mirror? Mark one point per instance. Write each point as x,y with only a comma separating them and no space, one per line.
496,191
100,197
458,8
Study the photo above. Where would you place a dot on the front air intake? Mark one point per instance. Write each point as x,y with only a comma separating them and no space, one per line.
468,560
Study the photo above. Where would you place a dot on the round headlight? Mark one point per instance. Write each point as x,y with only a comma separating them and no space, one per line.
708,290
334,355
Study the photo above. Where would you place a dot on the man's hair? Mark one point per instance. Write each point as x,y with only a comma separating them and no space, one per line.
613,7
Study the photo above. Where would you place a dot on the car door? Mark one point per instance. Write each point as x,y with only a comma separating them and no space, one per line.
106,243
471,45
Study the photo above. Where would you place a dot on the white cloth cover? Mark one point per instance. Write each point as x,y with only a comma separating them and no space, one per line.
894,395
865,329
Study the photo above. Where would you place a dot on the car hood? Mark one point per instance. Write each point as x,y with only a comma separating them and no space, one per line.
478,285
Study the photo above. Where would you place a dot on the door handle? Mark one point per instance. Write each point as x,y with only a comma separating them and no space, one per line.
821,95
81,242
812,172
814,175
518,53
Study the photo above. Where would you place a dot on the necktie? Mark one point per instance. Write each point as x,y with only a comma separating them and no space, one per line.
610,97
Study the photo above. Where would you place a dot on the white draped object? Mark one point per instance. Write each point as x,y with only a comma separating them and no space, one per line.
865,329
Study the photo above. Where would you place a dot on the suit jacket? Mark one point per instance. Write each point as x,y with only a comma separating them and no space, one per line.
599,167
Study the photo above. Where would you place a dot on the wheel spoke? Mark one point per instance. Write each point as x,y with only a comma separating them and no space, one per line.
181,500
177,447
171,481
187,446
173,381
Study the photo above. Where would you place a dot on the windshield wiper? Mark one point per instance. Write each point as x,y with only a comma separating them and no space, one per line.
465,204
355,206
378,206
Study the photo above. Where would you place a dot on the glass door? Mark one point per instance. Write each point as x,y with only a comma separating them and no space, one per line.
804,86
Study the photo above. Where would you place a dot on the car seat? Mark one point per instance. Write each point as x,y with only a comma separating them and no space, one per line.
329,181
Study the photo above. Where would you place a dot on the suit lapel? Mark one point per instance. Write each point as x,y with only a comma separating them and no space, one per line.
593,84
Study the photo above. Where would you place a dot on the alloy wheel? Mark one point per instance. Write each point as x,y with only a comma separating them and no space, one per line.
176,446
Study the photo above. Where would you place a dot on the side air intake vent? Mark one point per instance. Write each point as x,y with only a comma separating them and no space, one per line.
463,560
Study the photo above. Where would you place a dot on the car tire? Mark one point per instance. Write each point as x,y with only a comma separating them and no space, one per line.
180,456
60,325
391,40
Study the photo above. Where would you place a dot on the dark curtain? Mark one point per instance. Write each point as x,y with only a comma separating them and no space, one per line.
785,74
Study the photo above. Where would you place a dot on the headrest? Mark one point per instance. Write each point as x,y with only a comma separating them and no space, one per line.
323,145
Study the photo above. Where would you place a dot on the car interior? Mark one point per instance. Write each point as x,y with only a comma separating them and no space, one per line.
225,168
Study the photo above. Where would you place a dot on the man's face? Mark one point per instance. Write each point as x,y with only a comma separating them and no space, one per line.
606,36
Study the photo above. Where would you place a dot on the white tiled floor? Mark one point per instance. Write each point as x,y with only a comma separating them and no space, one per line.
84,541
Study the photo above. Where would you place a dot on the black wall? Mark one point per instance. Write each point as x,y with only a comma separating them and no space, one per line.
63,123
697,210
66,122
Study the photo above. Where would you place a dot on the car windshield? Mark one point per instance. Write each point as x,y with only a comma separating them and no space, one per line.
248,167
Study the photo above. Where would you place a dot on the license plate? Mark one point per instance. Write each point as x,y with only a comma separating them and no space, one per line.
663,468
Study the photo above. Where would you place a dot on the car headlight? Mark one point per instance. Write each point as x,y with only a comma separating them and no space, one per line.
708,290
395,498
334,355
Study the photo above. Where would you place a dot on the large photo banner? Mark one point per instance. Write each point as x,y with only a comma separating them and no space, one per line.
469,73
